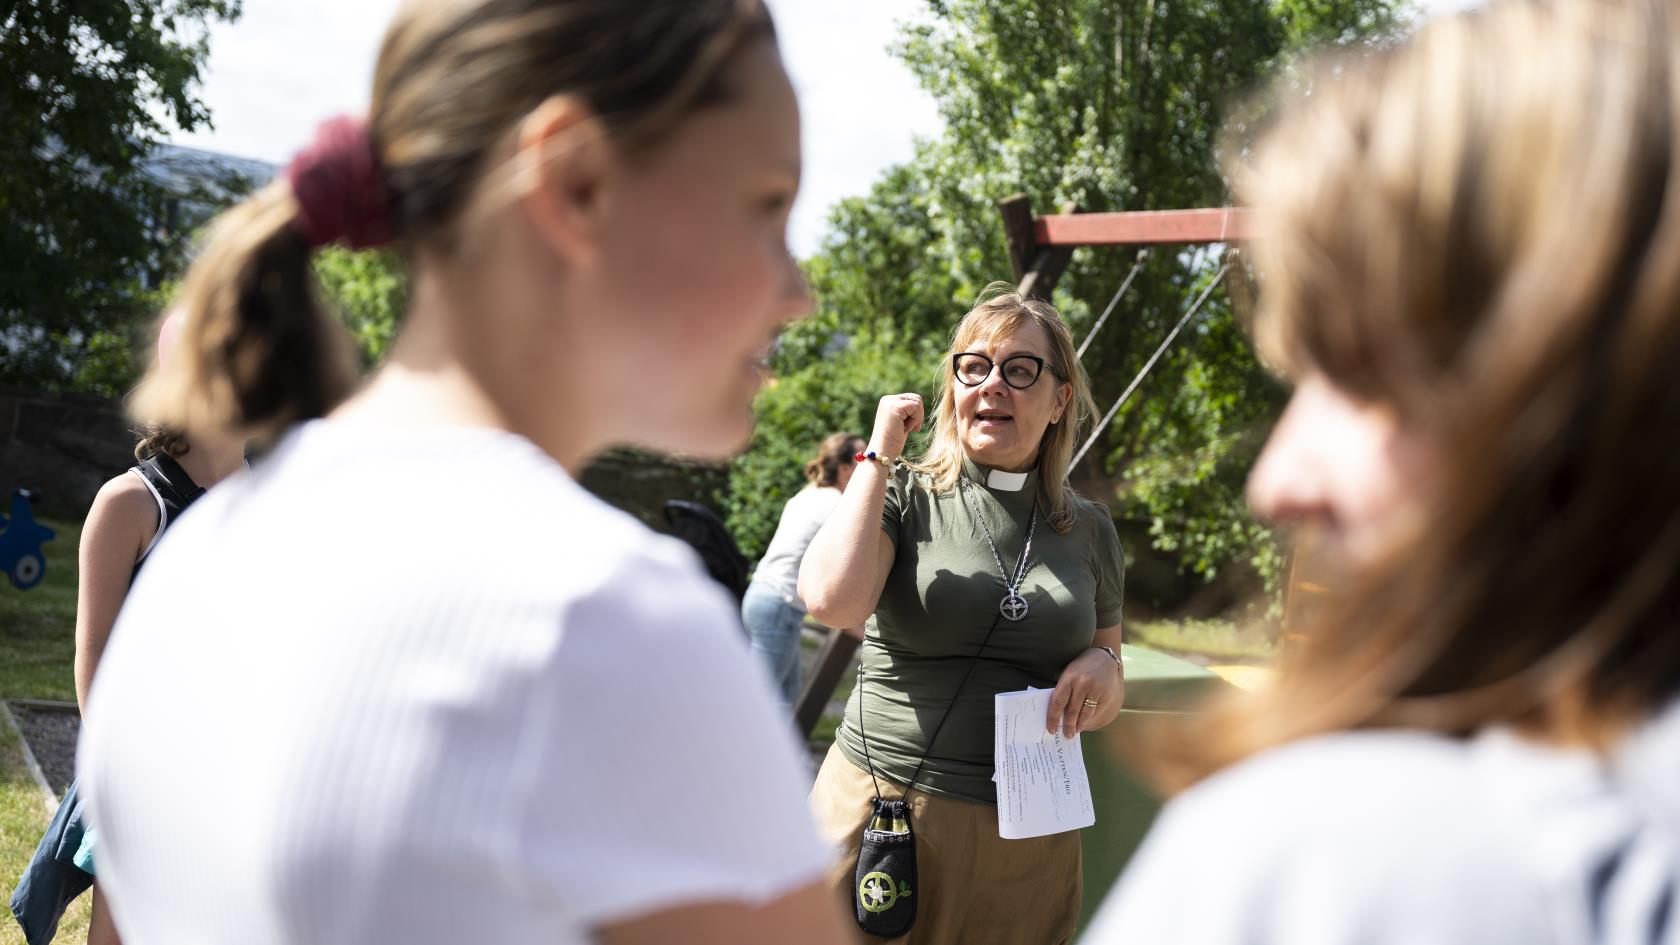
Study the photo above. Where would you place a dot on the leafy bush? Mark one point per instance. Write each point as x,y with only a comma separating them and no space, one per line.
828,395
369,291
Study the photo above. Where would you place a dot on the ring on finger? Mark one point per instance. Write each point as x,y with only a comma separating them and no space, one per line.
1090,703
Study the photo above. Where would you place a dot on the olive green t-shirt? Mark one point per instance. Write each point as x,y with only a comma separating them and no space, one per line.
939,601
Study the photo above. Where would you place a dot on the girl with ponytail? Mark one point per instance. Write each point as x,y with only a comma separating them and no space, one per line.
423,696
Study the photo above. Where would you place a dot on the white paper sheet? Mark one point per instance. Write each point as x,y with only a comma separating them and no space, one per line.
1041,782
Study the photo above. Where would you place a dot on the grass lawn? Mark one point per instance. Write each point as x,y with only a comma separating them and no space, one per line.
23,816
1210,640
37,647
38,626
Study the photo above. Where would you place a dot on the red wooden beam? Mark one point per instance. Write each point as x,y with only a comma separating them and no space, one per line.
1144,226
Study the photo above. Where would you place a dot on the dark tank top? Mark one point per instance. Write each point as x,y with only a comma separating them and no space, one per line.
174,491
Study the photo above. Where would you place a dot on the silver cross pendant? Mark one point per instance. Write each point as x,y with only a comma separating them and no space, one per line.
1013,606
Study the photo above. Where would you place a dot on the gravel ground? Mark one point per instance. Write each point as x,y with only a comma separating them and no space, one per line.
52,738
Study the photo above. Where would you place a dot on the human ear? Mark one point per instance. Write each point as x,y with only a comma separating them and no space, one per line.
1064,393
563,158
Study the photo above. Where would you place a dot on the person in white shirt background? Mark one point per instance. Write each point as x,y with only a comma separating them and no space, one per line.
404,681
1469,249
771,608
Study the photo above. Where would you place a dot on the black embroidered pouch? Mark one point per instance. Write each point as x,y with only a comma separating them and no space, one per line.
884,889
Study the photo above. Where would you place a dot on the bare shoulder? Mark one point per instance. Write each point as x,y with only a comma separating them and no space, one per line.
125,496
124,506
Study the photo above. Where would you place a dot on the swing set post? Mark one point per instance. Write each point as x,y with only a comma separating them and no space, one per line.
1037,265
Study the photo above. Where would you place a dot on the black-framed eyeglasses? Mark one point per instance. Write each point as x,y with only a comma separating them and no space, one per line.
1019,371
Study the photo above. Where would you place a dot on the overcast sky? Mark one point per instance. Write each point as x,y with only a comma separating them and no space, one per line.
287,64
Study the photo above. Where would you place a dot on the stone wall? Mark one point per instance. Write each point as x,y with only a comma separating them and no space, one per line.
641,483
64,447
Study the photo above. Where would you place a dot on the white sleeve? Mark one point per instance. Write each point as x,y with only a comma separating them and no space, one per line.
1189,883
1344,840
669,775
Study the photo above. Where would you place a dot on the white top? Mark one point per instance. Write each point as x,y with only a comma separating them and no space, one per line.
163,515
420,687
1379,838
802,516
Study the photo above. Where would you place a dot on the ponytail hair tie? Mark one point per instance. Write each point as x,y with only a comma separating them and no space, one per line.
340,187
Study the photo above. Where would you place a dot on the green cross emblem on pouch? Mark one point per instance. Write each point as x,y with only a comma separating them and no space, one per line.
878,893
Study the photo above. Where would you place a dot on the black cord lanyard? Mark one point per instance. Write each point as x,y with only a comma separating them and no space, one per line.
936,729
975,659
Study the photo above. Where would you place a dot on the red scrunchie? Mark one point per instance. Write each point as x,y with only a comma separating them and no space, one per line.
340,187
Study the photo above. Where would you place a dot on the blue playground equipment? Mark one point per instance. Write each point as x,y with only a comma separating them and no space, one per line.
21,538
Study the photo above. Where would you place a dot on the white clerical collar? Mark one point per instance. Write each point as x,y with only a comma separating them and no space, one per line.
1006,481
999,480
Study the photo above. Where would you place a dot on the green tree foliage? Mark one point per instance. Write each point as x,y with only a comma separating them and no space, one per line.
831,395
368,291
1105,104
109,361
86,89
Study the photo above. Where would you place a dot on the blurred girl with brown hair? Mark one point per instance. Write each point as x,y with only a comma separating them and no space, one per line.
1470,257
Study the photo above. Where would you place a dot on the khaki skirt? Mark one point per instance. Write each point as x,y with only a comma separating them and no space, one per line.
976,887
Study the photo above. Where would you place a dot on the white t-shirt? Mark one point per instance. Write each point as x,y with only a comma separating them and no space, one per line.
1384,838
802,517
420,687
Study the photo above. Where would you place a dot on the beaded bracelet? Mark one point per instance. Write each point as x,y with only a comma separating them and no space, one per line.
873,457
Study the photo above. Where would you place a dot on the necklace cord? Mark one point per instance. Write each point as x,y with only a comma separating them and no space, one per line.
1021,571
1011,587
917,774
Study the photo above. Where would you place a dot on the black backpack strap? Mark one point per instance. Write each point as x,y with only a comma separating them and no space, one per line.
174,491
172,484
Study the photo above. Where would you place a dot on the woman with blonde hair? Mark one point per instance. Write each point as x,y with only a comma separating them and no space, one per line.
771,609
414,676
1470,251
984,573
